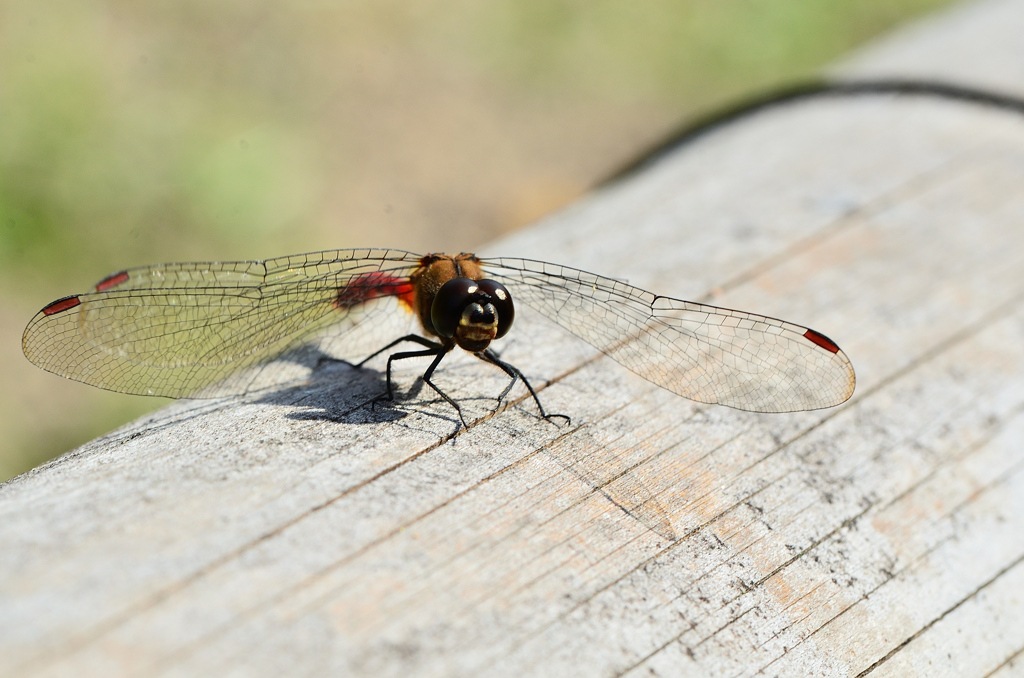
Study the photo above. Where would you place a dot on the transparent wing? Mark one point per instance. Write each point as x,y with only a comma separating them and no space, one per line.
707,354
220,328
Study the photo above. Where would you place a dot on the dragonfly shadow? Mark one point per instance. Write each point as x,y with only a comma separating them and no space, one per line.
336,391
610,473
339,392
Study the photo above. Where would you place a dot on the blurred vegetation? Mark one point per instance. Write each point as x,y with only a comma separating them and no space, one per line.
135,132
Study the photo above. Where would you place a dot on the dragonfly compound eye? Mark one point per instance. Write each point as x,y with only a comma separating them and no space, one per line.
473,312
449,303
502,302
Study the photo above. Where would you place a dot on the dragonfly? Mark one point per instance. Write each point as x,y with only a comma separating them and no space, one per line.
214,329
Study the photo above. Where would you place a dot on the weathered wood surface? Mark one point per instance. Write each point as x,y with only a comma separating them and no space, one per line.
304,534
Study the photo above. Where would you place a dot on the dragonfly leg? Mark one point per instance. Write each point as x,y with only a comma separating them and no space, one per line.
426,379
390,395
415,338
489,356
511,370
437,350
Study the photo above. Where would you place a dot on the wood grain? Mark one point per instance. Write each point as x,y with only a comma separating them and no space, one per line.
304,533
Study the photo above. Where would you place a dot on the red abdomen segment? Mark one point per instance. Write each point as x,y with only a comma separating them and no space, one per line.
368,286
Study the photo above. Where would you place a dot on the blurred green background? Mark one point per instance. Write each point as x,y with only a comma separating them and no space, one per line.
140,131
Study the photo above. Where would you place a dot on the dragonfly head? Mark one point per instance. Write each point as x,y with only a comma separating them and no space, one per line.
472,312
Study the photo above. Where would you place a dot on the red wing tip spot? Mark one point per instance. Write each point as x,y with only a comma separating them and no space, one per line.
822,340
111,281
61,305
